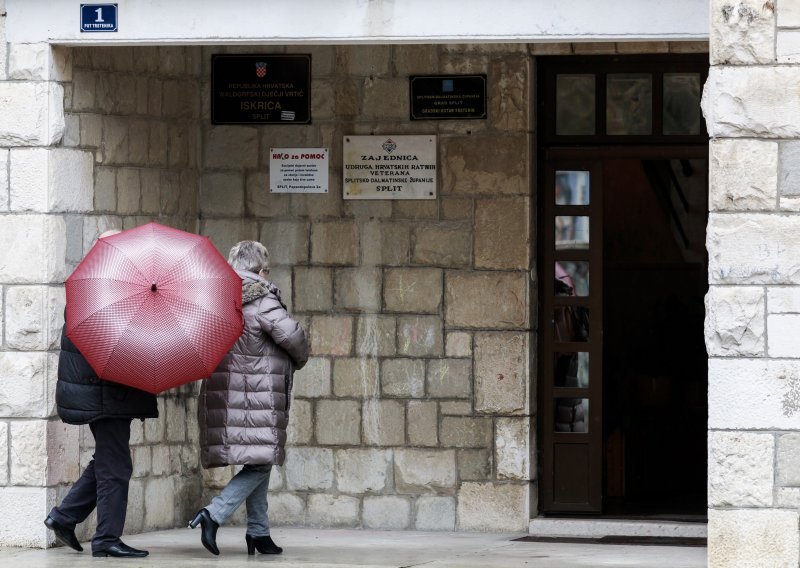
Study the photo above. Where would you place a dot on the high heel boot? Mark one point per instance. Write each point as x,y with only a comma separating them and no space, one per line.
263,544
208,533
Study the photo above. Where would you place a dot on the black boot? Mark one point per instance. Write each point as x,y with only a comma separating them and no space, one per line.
64,535
120,550
263,544
208,534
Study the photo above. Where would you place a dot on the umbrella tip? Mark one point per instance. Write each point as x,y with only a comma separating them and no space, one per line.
153,287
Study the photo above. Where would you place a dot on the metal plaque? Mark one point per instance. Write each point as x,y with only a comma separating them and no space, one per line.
447,96
389,167
298,170
260,89
99,18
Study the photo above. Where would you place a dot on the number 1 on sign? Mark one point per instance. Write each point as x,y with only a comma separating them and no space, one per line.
99,15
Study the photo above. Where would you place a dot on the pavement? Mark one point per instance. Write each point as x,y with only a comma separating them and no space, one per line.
315,548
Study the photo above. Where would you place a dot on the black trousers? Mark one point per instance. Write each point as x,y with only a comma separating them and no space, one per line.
104,484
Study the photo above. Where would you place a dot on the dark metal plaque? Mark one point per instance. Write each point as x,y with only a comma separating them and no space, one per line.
447,96
260,89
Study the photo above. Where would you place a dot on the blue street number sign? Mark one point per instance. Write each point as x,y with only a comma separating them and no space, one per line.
98,17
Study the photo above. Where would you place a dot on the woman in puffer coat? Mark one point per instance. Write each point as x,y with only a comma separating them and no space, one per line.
244,406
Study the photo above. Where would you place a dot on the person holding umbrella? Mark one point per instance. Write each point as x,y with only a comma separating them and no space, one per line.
108,408
244,406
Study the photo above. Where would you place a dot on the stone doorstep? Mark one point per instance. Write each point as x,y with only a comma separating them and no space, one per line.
596,528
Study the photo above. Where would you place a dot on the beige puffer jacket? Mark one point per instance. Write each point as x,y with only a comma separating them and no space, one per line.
244,406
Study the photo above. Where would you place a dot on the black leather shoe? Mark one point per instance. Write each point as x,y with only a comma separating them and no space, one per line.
120,550
263,544
208,533
63,535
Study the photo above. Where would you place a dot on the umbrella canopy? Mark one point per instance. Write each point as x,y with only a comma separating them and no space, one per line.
154,307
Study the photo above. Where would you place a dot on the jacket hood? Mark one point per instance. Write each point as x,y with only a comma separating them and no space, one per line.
254,287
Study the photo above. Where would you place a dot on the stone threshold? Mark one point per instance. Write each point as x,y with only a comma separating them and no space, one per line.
598,528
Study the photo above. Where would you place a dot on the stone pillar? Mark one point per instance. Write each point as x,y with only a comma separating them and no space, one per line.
753,304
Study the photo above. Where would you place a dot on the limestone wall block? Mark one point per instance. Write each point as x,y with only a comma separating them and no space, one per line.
420,336
28,452
116,140
752,102
413,290
509,92
22,509
225,233
362,471
384,99
332,510
415,210
287,242
488,165
389,244
456,209
287,509
300,429
787,46
438,245
424,471
3,45
474,465
376,336
415,60
331,335
688,47
465,432
138,144
96,225
161,460
740,469
501,233
23,380
357,378
789,15
422,423
334,242
456,407
158,151
129,191
33,317
495,300
403,378
141,457
105,190
787,465
63,453
260,201
782,331
501,372
51,180
4,185
308,468
313,380
763,538
4,453
159,503
175,409
735,321
743,175
319,206
742,32
154,427
435,513
313,289
31,113
493,507
34,249
386,513
789,171
228,147
357,289
338,422
364,60
383,423
512,448
217,477
788,498
449,378
753,249
783,299
458,344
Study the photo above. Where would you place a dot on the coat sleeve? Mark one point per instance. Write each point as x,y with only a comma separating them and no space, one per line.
284,330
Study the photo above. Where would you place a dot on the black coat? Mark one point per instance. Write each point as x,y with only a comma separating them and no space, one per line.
82,397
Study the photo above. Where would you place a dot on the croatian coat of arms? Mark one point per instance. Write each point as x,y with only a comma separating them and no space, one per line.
389,145
261,69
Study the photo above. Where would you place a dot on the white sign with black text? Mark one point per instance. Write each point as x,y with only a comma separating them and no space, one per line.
298,170
389,167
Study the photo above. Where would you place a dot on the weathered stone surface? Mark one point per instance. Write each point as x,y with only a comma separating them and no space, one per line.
129,191
154,428
338,422
735,321
413,290
22,512
332,510
742,32
225,233
782,330
261,202
456,407
222,194
33,317
787,46
420,471
502,236
357,289
105,189
158,504
450,378
300,429
512,448
389,243
287,242
740,469
231,147
31,113
365,61
286,509
313,380
334,242
458,344
389,512
415,210
51,180
28,452
456,209
509,88
465,169
403,378
438,245
486,300
4,453
376,336
331,335
420,336
63,453
435,513
4,195
22,384
422,423
313,289
384,423
787,463
743,175
356,378
753,538
384,99
465,432
501,372
363,471
493,507
474,465
308,468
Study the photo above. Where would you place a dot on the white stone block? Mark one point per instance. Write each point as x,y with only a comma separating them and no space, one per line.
23,377
363,471
742,32
783,299
96,225
129,191
309,468
313,380
789,14
217,477
435,513
512,448
4,453
28,452
222,194
735,321
63,453
159,503
783,331
286,509
388,513
766,538
39,62
740,469
4,195
498,507
332,510
51,180
34,315
787,46
420,471
31,114
21,512
743,175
